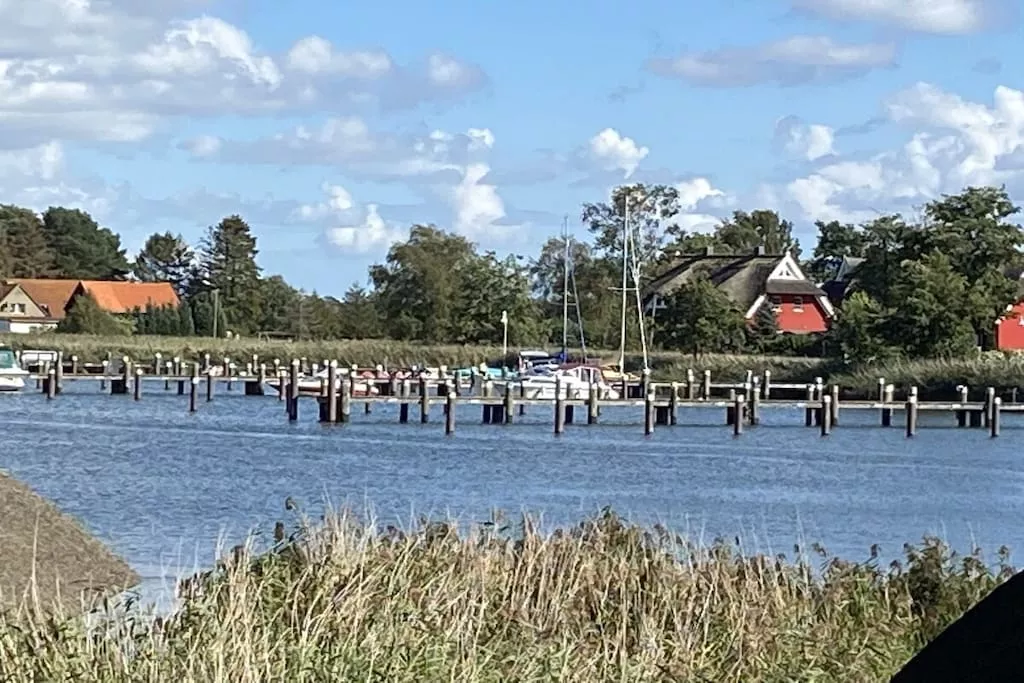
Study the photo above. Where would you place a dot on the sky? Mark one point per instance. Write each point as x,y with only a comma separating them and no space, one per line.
332,127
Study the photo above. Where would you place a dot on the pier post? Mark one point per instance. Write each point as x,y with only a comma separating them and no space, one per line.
997,406
177,367
293,391
137,388
522,398
912,415
345,398
206,362
990,398
819,388
834,414
730,408
232,371
887,398
51,384
691,385
157,362
649,416
593,397
449,413
192,392
673,405
58,375
754,411
425,400
826,415
809,410
705,391
103,378
209,385
961,415
766,385
881,388
168,367
738,409
74,365
332,392
559,407
510,404
403,409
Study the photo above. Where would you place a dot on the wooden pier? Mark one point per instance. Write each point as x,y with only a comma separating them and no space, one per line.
657,403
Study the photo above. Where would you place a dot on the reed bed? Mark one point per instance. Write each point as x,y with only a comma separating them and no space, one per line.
601,601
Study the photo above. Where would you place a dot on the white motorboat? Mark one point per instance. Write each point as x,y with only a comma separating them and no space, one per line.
575,382
362,386
12,377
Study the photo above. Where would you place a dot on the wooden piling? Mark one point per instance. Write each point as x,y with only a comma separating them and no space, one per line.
809,409
766,385
293,391
58,375
209,385
673,405
997,407
834,406
345,399
332,392
424,400
51,384
826,414
103,377
649,416
738,408
137,387
192,393
449,413
691,385
593,412
510,404
559,407
705,390
881,389
990,399
911,409
887,398
74,365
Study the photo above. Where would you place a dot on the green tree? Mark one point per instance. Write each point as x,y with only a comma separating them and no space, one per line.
489,285
281,306
858,334
744,232
699,318
418,284
651,210
26,251
763,330
186,323
82,249
204,321
227,264
165,258
86,317
360,317
933,317
836,241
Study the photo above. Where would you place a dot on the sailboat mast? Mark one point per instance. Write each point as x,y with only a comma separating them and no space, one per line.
565,290
625,266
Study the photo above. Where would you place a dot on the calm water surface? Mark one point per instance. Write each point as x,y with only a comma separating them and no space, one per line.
164,488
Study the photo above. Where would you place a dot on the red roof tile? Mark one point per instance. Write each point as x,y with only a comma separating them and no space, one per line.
124,297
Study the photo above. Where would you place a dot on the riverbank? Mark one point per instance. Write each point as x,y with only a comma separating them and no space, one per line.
929,375
600,601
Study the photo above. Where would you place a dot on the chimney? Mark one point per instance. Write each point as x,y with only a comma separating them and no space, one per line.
760,250
709,251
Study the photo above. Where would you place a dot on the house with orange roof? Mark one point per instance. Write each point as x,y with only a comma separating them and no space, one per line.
31,305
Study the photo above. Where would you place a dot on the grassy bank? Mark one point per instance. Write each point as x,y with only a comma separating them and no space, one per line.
603,601
943,375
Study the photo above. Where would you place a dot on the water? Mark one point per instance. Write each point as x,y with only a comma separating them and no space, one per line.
165,488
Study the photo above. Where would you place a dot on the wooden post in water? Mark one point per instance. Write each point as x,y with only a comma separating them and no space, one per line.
911,415
997,407
209,385
58,375
809,410
193,391
449,413
881,388
51,384
137,388
990,398
673,405
826,415
332,392
961,415
705,391
522,398
345,398
206,363
691,385
593,407
754,411
425,400
403,409
645,383
738,405
293,391
157,362
74,365
649,417
559,406
232,371
834,403
887,399
819,388
510,404
177,367
103,378
766,385
168,371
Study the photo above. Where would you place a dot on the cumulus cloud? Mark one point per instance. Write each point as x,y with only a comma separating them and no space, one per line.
797,60
925,16
800,140
611,151
697,198
371,234
953,143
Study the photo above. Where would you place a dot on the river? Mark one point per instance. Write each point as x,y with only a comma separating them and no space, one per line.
163,487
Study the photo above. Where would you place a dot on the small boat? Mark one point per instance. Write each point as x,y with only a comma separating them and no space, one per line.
575,381
12,377
363,385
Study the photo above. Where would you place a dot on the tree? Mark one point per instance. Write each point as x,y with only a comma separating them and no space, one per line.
165,258
747,231
418,284
83,250
836,241
280,310
186,323
204,321
651,208
360,318
86,317
763,330
227,264
858,332
933,317
26,251
489,285
699,318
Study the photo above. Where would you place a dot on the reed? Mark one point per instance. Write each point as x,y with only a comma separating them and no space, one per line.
991,369
601,601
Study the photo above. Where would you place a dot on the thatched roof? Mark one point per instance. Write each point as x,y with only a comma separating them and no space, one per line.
42,547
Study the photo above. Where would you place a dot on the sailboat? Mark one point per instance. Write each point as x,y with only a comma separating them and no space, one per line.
630,271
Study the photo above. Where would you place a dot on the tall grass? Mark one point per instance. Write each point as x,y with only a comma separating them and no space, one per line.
602,601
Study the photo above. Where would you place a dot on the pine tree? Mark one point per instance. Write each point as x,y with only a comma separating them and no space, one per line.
86,317
186,324
165,258
227,263
27,253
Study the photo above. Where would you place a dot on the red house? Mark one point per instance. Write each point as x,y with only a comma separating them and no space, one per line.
1009,332
751,281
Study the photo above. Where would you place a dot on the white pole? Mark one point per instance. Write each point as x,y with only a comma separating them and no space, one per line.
504,336
625,253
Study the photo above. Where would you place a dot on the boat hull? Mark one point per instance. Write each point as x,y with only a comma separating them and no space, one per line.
11,383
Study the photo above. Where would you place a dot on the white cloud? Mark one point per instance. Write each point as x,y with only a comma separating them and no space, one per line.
698,196
611,151
792,61
954,143
372,234
809,142
926,16
477,207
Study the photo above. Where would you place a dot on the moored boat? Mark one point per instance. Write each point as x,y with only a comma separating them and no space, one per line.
12,377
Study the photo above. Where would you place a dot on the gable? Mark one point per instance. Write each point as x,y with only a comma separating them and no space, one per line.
16,302
52,296
787,269
125,297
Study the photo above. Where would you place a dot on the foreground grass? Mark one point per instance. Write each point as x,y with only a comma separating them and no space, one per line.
604,601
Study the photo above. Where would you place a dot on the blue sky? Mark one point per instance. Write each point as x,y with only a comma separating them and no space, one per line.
331,127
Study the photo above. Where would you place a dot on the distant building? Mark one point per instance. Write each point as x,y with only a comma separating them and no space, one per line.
751,281
32,305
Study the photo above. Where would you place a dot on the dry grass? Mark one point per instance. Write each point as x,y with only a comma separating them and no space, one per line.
604,601
992,369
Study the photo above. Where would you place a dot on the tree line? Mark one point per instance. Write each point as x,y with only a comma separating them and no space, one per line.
928,286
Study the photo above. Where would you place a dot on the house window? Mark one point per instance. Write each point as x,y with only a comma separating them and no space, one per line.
798,304
3,308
